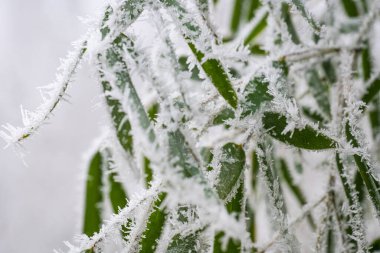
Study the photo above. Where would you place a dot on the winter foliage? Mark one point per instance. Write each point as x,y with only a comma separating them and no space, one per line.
235,126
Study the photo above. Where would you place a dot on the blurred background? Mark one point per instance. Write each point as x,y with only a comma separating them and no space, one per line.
41,204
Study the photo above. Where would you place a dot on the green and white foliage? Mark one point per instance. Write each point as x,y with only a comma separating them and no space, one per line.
235,126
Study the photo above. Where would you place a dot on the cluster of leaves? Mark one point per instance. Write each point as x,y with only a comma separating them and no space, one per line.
227,125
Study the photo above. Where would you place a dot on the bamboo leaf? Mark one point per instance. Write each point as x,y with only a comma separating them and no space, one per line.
184,66
306,138
185,244
234,206
115,60
236,15
350,8
375,246
253,6
181,154
294,188
232,163
155,225
319,90
286,16
223,116
364,168
218,76
256,30
371,91
213,68
232,246
94,196
255,94
313,115
117,193
306,15
255,170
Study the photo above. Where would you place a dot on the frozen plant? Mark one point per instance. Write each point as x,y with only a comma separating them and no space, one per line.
215,129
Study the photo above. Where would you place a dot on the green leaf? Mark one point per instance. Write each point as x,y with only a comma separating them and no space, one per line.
329,70
218,76
117,193
320,91
253,7
286,16
371,91
185,244
256,30
366,62
306,15
232,246
223,116
148,172
350,8
94,196
154,227
185,67
181,154
372,184
313,115
236,15
294,188
375,246
255,94
255,170
153,112
116,62
306,138
232,163
212,67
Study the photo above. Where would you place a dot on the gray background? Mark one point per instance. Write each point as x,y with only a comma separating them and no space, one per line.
40,205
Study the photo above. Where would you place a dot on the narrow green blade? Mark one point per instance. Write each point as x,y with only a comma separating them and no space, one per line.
94,196
372,184
256,30
306,138
350,8
218,76
236,15
320,91
154,227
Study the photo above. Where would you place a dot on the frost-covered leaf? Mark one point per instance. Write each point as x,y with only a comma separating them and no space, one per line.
185,244
232,163
256,30
294,188
255,94
94,196
181,154
366,172
287,17
232,246
350,7
307,137
236,15
154,227
218,76
320,91
185,67
223,116
192,33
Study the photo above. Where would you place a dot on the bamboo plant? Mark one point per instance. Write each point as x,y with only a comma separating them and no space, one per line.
214,128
